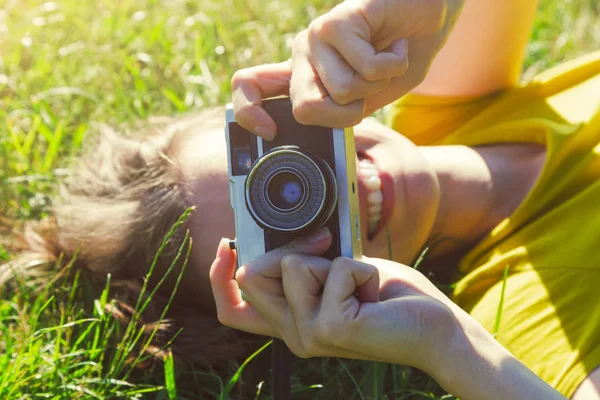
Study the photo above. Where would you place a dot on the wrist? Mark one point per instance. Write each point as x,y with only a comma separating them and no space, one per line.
476,365
469,351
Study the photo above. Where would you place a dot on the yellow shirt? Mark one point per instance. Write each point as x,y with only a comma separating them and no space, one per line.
550,246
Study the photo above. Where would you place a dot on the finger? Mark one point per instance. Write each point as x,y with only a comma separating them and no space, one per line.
370,64
343,84
250,86
346,278
303,280
337,31
401,85
266,270
232,310
311,103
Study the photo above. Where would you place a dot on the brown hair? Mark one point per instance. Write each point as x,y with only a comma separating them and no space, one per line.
112,215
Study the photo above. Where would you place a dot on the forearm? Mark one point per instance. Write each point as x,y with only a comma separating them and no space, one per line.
489,41
478,367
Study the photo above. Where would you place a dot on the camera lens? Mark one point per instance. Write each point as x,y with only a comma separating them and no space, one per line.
285,190
290,190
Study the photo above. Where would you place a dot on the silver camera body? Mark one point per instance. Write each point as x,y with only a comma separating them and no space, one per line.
304,179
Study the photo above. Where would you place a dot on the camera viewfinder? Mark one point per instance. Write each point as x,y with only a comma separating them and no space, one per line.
243,149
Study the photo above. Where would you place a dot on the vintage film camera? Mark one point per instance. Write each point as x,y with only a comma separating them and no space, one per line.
304,179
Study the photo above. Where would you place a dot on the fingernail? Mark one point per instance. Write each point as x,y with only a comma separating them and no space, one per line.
319,235
223,245
264,132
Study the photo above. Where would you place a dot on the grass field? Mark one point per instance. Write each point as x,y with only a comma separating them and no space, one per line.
69,64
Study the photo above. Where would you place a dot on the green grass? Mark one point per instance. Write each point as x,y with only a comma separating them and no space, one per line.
67,65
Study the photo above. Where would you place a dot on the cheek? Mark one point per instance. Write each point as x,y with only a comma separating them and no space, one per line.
416,203
206,230
412,225
211,221
406,234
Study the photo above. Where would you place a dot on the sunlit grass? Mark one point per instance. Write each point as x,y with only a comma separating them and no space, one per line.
69,64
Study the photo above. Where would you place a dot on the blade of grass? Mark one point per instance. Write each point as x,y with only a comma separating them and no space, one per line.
500,303
235,378
53,148
169,368
356,385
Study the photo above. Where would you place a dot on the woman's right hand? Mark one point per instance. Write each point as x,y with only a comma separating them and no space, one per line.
351,61
373,310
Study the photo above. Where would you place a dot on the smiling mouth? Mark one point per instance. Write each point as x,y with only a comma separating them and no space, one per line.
370,175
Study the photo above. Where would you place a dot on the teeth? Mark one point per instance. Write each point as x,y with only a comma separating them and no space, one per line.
366,164
374,218
375,197
369,172
373,183
375,208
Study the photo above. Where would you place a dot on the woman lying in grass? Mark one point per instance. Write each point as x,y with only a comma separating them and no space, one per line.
510,187
508,184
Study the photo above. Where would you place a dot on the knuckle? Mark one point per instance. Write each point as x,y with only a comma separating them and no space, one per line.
369,268
312,33
322,26
355,119
300,351
287,264
240,275
291,262
244,277
300,40
304,111
242,112
369,72
297,349
240,77
301,354
341,92
339,263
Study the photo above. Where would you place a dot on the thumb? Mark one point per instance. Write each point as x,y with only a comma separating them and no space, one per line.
399,47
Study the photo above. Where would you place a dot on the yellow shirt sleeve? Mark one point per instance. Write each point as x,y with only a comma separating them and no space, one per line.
550,246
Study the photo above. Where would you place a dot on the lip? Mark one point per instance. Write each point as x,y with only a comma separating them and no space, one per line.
387,190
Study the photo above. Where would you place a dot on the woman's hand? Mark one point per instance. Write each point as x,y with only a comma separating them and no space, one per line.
375,310
351,61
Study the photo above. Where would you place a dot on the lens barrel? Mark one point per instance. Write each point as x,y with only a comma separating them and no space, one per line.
290,190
